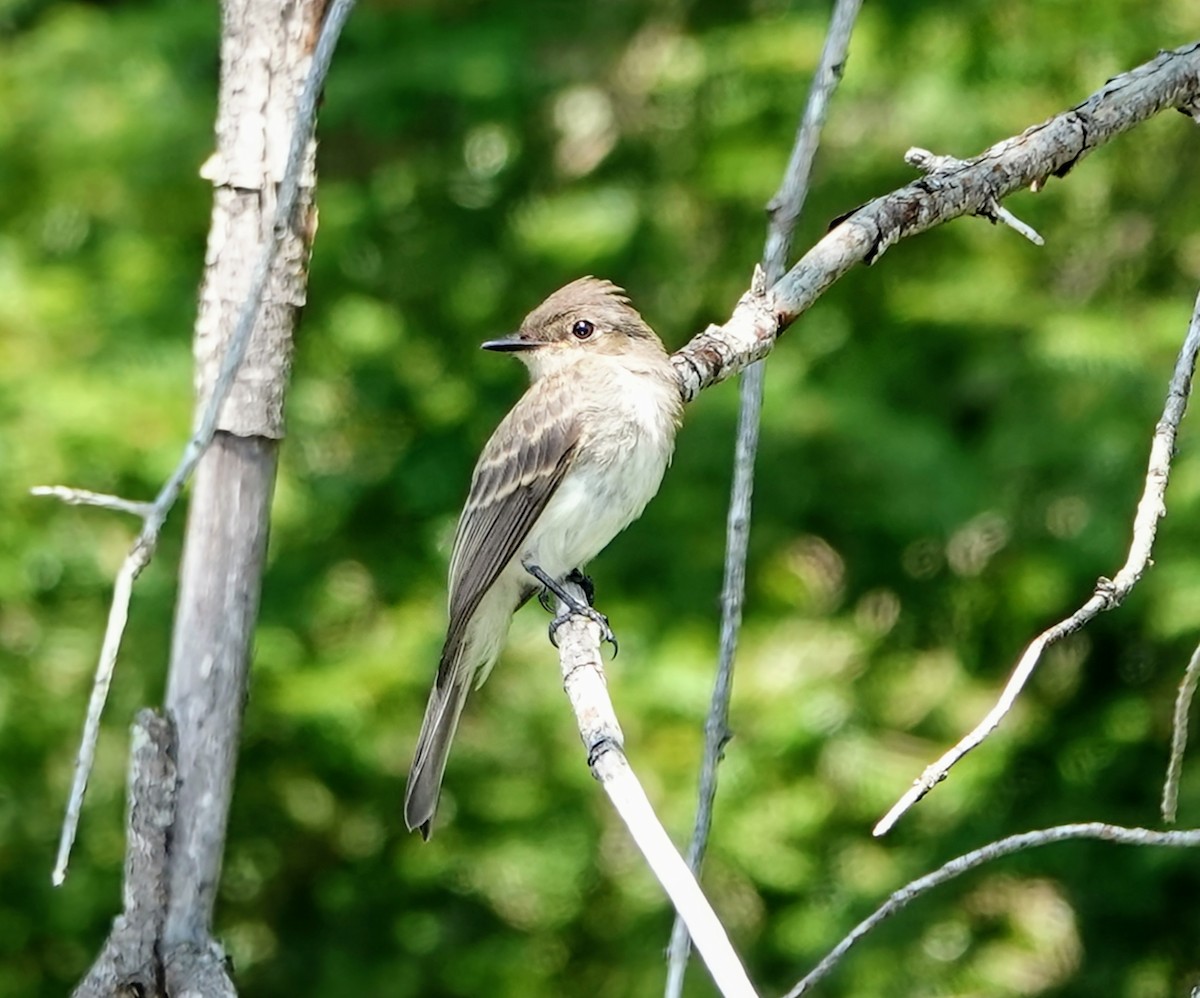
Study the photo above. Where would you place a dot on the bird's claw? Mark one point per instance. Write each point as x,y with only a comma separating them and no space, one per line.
601,621
552,588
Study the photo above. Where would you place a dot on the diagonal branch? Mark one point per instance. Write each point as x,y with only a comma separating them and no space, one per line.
1171,80
783,211
155,516
586,688
1109,594
952,189
986,854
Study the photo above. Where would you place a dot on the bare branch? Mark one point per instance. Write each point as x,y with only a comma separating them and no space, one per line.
1170,80
783,211
1109,594
82,497
784,208
986,854
586,688
951,189
220,580
976,186
118,616
143,548
1179,737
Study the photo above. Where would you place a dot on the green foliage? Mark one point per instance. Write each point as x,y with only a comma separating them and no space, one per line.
953,445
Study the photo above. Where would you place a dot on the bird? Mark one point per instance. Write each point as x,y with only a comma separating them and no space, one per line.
573,463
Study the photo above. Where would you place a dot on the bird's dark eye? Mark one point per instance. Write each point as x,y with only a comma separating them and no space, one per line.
582,329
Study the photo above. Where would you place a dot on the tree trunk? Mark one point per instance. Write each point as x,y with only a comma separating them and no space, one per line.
182,769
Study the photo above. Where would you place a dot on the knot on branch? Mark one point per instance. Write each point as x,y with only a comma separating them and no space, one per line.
930,163
1108,593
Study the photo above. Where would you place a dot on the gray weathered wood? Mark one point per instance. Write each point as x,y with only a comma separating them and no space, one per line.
214,626
128,957
163,942
265,52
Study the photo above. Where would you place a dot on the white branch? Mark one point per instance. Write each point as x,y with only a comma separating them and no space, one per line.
586,688
996,212
1109,594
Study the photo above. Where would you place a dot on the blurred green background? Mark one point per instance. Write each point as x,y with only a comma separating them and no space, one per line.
953,445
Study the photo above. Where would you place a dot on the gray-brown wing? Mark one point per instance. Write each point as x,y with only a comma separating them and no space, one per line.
519,470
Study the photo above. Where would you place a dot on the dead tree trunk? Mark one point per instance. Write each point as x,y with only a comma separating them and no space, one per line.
182,769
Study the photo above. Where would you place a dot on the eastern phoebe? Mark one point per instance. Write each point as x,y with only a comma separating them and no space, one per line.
569,468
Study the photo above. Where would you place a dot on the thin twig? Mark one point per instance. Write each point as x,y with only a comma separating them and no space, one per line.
143,548
1109,594
1179,737
986,854
996,212
82,497
586,688
733,591
783,211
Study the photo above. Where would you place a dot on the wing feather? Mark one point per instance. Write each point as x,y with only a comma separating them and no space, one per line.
518,471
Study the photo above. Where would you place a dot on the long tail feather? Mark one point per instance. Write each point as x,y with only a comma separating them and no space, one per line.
445,706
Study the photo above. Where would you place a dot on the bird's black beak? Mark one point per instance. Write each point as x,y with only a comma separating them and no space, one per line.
511,344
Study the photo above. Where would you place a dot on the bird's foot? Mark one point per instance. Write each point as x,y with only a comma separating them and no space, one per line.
555,589
606,633
547,596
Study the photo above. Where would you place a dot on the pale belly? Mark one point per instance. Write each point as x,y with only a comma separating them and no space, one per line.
609,486
590,508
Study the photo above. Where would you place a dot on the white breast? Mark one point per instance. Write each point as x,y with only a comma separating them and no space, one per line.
624,451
